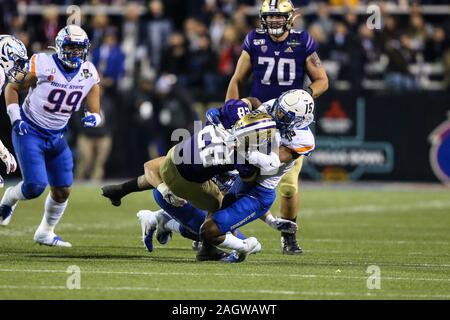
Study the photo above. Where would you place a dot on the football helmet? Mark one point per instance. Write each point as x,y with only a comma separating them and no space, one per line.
254,131
294,109
72,46
13,58
278,8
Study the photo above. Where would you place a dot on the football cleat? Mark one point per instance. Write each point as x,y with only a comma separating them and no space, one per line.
162,234
196,245
148,223
113,193
209,252
252,246
233,257
289,244
6,212
50,239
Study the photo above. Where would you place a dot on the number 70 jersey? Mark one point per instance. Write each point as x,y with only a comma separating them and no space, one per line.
277,66
57,93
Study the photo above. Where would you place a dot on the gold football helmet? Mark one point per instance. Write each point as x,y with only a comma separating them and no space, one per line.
277,8
254,131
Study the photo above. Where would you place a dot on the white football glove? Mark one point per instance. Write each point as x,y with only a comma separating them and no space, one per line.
9,161
169,196
283,225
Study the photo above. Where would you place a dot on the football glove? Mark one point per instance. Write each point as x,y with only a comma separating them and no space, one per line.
91,120
282,225
213,116
9,161
169,196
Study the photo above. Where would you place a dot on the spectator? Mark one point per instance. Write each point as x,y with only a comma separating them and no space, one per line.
109,60
50,26
175,59
157,31
94,145
175,105
202,67
130,44
324,19
229,53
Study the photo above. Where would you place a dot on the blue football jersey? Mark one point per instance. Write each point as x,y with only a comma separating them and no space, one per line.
277,66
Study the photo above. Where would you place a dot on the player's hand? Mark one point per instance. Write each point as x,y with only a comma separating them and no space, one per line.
284,225
9,161
21,127
169,196
213,116
91,120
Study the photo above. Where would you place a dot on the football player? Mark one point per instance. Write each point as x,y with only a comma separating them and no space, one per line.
13,58
57,84
279,58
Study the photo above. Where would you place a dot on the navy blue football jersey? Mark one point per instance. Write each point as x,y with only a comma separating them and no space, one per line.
277,66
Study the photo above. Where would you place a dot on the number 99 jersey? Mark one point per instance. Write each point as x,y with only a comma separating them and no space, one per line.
277,66
58,92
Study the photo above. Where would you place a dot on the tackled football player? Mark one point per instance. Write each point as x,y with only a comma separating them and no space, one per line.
279,57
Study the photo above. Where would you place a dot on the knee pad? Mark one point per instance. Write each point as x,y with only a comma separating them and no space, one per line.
288,190
32,190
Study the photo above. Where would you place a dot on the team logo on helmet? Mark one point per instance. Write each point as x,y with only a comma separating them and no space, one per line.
13,58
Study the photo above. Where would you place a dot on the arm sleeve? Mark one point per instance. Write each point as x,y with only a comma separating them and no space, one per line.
311,45
247,45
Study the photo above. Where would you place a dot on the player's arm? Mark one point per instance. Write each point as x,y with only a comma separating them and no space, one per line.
12,92
317,74
243,68
92,116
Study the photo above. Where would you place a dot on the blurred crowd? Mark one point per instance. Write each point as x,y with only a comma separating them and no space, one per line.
157,57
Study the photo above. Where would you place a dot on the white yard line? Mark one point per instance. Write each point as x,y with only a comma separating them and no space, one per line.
241,275
210,290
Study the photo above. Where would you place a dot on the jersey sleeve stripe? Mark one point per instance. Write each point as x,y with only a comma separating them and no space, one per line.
308,44
303,149
33,65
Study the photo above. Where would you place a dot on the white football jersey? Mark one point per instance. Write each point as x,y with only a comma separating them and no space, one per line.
302,143
2,79
56,95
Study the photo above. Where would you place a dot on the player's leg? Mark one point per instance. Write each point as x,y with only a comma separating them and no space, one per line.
31,159
116,192
289,205
217,229
185,220
204,196
59,166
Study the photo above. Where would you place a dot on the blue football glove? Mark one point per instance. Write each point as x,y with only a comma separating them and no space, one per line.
213,116
91,120
21,127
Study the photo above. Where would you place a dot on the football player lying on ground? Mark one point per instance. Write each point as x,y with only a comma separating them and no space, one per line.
160,220
247,200
116,192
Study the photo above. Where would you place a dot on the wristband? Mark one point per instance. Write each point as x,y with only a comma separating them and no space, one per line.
13,111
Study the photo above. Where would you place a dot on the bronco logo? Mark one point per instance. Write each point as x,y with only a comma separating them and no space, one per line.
440,151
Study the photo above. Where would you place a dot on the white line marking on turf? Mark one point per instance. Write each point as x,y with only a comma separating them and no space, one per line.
221,274
203,290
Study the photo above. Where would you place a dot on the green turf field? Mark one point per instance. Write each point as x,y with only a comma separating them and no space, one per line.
405,232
